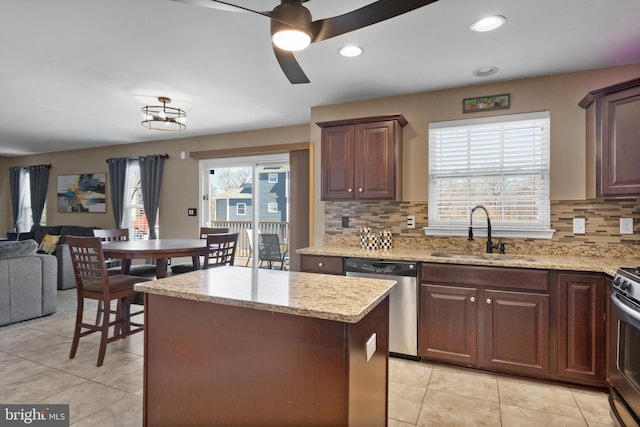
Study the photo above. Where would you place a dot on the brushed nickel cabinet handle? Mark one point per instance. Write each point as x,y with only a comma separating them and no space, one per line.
488,300
321,264
472,299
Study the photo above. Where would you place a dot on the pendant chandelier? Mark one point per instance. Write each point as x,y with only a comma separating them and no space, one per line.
161,117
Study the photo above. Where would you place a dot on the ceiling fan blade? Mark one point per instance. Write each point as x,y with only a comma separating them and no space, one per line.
367,15
290,66
223,5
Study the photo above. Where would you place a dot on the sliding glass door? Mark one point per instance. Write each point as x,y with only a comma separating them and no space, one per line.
250,196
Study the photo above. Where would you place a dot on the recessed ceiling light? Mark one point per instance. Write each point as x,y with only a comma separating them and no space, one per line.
488,23
485,71
350,51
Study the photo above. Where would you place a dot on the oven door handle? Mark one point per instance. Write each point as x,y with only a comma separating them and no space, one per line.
618,303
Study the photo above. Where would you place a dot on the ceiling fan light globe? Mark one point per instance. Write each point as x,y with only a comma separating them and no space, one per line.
488,23
291,40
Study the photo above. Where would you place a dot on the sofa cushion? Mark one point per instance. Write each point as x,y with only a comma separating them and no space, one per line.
39,231
49,243
75,230
18,249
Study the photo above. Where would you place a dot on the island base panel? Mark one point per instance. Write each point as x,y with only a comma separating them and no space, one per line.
212,364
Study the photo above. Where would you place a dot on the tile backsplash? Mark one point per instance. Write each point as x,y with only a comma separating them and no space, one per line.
602,235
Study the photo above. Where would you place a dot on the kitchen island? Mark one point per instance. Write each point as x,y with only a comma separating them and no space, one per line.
240,346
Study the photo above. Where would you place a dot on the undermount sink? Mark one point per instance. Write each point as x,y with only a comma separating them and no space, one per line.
492,257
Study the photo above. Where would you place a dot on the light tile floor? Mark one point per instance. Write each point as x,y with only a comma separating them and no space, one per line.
35,368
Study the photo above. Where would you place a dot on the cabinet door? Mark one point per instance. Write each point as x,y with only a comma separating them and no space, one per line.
620,151
581,327
376,160
448,323
338,162
516,328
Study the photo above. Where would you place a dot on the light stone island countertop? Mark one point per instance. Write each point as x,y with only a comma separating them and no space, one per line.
339,298
607,265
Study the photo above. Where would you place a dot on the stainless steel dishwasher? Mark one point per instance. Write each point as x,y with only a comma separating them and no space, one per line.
403,299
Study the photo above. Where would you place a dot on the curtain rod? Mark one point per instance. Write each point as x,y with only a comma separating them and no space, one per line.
166,156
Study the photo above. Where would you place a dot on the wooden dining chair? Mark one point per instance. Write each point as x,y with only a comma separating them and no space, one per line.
114,265
195,261
269,250
93,282
204,231
221,249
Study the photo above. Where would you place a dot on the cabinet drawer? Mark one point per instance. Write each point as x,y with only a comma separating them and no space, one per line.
495,277
321,264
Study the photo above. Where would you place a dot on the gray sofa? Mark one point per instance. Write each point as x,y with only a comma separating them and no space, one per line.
27,282
66,278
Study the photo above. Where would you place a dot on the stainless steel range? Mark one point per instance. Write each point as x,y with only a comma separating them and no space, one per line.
624,360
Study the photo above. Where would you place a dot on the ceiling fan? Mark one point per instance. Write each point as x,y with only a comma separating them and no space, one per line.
292,28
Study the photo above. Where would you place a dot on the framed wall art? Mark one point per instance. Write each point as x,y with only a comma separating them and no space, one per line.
82,193
486,103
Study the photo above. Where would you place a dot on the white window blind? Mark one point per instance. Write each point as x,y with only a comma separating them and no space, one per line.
500,162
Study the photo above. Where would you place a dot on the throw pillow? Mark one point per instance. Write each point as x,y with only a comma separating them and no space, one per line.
49,243
19,249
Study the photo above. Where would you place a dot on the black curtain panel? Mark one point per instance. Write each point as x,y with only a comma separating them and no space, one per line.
151,168
39,180
15,177
117,181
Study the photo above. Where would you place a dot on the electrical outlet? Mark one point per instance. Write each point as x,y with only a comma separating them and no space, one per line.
345,222
411,221
579,225
371,346
626,225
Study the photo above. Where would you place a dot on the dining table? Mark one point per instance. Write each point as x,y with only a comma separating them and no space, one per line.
160,250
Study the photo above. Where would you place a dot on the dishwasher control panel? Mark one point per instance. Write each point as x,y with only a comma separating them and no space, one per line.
380,266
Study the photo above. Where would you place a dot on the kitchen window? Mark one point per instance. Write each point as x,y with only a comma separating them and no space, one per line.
500,162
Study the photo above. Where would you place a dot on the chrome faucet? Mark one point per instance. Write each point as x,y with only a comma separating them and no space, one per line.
490,245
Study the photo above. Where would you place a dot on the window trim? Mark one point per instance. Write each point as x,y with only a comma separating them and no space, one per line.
542,230
244,209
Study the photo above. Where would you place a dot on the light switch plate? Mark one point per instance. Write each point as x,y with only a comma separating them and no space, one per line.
626,225
371,346
579,225
411,221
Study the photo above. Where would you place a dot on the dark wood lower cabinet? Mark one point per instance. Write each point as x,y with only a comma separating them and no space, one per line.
449,323
537,323
493,325
516,331
581,327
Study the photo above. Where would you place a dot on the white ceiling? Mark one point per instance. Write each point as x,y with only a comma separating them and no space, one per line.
75,73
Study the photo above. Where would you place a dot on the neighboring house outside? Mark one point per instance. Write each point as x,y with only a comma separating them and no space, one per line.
236,204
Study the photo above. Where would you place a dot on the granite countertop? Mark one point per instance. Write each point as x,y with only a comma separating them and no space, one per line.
607,265
339,298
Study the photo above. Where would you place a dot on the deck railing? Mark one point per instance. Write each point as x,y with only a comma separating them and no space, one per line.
241,227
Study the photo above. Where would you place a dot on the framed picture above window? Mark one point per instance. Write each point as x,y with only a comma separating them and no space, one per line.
486,103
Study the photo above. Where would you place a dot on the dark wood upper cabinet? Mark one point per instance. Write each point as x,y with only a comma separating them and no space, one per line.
613,140
362,158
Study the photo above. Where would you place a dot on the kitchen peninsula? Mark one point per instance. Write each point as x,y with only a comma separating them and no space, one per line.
241,346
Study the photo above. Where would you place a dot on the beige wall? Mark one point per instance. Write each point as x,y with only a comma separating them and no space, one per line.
179,185
558,93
